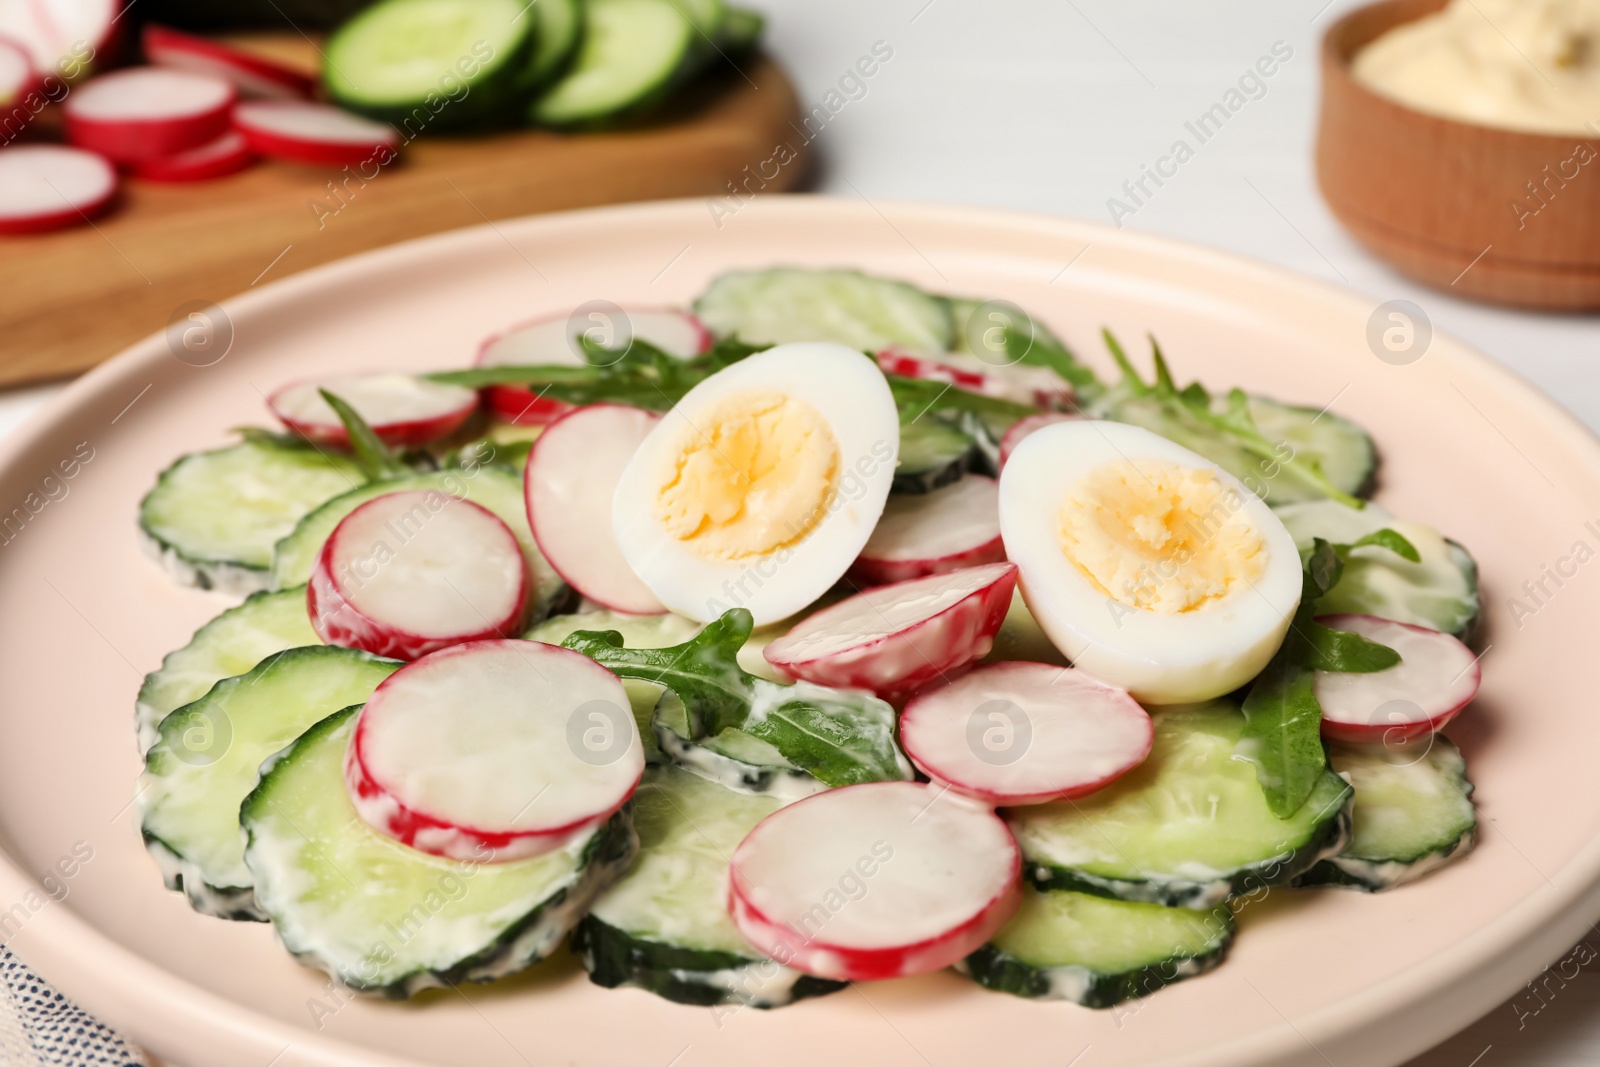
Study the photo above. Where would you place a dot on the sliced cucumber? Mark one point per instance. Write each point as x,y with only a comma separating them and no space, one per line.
213,517
633,52
733,759
430,64
1097,952
559,29
638,631
206,757
1439,592
792,304
382,917
1343,449
1413,813
229,644
1189,827
932,454
741,31
664,925
497,488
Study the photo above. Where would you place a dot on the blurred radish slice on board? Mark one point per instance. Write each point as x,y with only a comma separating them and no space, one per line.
226,155
46,187
144,113
255,77
316,134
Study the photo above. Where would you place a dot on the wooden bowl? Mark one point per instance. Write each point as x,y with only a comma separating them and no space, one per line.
1495,215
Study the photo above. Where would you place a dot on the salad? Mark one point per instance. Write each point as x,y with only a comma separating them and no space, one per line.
828,631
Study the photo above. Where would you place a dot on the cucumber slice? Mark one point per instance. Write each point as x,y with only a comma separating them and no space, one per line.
638,631
1413,813
206,757
792,304
559,28
496,488
1098,952
932,454
1342,448
632,54
213,517
741,31
381,917
664,925
1188,828
733,759
1439,592
230,644
430,64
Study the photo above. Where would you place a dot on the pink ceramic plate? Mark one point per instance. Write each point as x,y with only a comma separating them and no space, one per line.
1316,977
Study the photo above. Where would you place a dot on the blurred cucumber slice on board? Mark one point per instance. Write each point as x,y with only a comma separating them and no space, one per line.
632,53
559,28
431,64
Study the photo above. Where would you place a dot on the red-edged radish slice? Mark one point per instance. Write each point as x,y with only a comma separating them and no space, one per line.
514,746
1025,426
1038,386
874,881
18,77
144,113
226,155
46,187
62,37
410,573
552,341
255,77
932,533
897,638
1436,677
1025,733
402,409
316,134
572,473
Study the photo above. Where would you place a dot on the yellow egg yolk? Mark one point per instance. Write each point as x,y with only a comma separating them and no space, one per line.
1159,537
749,475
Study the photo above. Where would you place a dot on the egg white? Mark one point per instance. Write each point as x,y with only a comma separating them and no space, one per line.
851,395
1158,658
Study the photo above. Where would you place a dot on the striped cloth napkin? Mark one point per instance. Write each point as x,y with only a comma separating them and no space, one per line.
41,1028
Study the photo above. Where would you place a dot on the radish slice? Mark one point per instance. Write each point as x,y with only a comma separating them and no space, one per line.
253,76
514,746
552,341
1436,677
228,154
896,638
1023,427
402,409
61,36
1025,733
573,470
407,574
933,533
1038,386
130,116
874,881
17,75
317,134
46,187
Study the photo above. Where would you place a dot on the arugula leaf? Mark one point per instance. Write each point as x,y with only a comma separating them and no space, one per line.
1043,350
376,460
1282,732
840,737
1193,408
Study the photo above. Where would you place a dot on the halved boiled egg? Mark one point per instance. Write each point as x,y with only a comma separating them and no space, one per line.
1147,565
760,487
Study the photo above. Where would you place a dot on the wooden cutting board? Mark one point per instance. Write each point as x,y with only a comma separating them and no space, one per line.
76,297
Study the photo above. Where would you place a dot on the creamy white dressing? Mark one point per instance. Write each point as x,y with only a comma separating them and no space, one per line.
1525,65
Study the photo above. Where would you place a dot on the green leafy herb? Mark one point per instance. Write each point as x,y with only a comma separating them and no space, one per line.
1194,408
1034,346
839,737
376,459
1283,722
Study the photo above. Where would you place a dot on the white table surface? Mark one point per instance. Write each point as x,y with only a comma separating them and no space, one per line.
1050,105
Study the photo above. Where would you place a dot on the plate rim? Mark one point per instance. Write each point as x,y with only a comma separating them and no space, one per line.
1518,941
